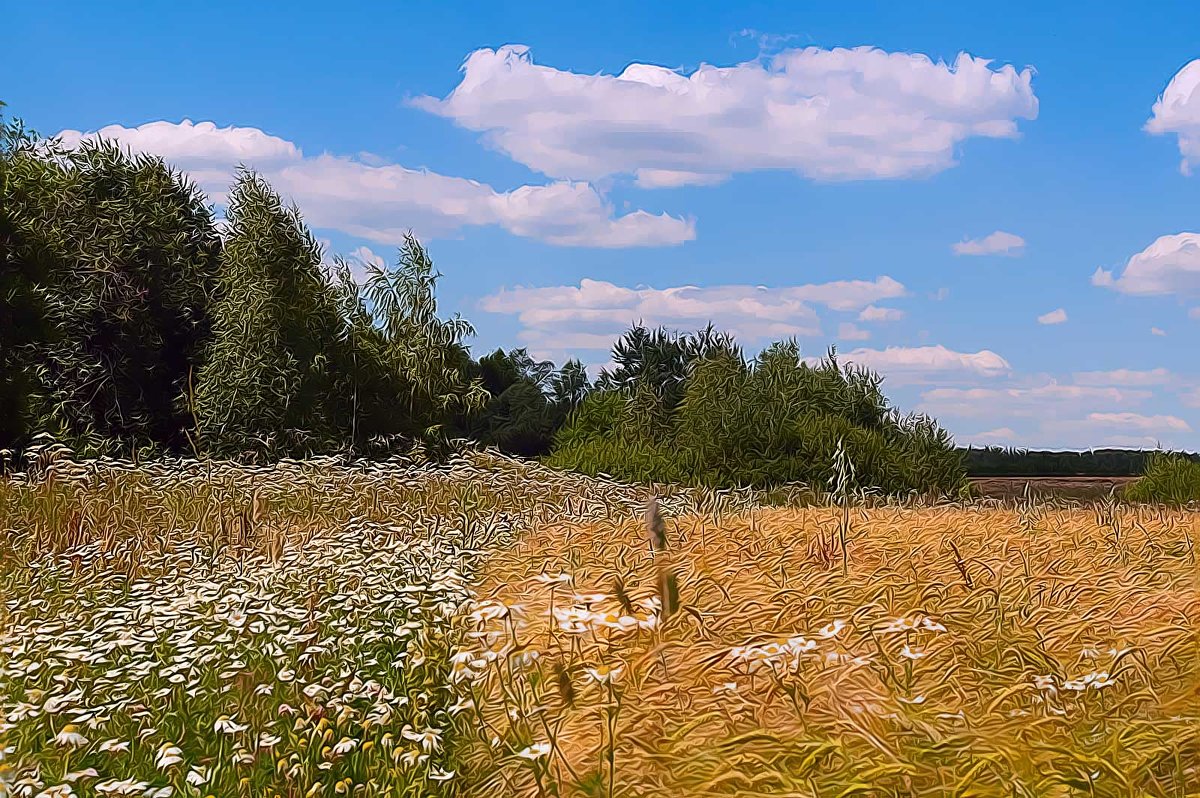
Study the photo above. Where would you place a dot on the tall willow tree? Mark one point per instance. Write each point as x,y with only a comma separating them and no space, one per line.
270,384
129,251
424,362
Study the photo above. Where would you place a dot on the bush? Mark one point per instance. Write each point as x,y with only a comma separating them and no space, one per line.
1168,479
723,422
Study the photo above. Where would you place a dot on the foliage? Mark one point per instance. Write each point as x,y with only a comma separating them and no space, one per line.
528,401
269,382
125,254
1168,479
420,351
22,270
997,461
714,419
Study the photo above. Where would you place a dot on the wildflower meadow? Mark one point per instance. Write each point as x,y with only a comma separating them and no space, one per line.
487,626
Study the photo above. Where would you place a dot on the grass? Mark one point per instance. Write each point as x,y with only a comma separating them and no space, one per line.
209,629
492,627
967,651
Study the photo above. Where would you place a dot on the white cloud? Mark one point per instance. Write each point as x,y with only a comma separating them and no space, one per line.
667,178
1190,397
1129,422
595,313
1178,111
873,313
997,243
991,437
381,202
1053,317
1171,265
1157,376
1157,331
909,364
367,256
848,331
358,261
838,114
1039,401
192,144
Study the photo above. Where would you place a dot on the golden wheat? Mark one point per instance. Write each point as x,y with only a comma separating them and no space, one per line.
967,651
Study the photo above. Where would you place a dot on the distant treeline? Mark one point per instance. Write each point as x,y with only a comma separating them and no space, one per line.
1002,462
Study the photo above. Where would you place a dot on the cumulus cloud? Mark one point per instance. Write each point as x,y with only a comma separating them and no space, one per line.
1038,401
206,152
840,114
1157,331
1129,422
922,363
1053,317
380,202
1171,265
1177,111
873,313
852,332
595,313
997,243
992,437
1157,376
360,259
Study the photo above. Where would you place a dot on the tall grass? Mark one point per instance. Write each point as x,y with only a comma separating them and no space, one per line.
205,628
966,651
492,627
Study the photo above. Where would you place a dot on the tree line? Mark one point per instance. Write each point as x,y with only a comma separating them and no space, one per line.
1013,462
135,322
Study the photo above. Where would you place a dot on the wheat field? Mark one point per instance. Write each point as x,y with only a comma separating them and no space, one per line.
492,627
963,651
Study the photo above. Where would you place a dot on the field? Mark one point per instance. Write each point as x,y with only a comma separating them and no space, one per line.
1081,488
496,628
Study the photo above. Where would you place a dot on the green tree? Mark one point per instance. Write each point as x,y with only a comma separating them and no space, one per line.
691,409
424,363
130,253
23,269
271,382
569,386
528,401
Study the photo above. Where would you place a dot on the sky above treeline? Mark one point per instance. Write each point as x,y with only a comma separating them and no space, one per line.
994,206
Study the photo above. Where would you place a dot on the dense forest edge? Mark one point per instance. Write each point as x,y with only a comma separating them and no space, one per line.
996,461
136,322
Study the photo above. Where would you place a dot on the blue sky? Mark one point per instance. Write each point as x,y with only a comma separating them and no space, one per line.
562,203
